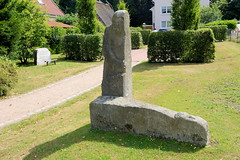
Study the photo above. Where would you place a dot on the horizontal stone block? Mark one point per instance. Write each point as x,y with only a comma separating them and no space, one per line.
132,116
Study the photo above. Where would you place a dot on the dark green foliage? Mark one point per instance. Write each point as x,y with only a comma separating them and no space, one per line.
181,46
70,19
139,10
220,32
145,35
231,24
68,6
185,14
87,16
55,39
8,76
82,47
136,39
231,10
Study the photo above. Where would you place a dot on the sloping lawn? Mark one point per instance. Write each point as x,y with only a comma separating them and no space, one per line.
32,77
211,91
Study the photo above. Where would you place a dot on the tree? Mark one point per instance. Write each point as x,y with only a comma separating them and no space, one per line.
185,14
23,28
70,19
87,21
211,13
122,5
139,10
231,10
67,6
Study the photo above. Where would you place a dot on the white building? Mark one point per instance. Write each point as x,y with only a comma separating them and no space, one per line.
161,13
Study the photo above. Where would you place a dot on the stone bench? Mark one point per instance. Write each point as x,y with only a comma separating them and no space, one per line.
52,60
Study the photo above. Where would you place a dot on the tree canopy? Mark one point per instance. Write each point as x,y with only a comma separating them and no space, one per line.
22,27
185,14
87,20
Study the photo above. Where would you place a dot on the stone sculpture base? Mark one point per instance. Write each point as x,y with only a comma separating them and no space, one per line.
132,116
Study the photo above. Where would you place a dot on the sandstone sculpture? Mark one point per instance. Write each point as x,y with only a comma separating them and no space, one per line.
116,110
117,74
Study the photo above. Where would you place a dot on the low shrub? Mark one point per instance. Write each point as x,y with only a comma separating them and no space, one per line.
230,23
145,35
181,46
136,39
82,47
8,76
220,32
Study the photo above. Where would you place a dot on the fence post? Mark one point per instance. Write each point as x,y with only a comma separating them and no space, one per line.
237,35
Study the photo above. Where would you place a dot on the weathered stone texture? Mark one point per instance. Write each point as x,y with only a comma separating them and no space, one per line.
41,55
117,74
132,116
116,111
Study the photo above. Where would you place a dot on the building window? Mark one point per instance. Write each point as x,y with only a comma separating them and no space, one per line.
165,24
166,9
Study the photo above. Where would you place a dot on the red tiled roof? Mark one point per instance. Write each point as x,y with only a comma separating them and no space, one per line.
54,24
51,8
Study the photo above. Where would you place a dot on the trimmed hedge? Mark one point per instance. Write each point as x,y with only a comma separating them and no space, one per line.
82,47
135,29
182,46
230,23
220,32
136,39
8,76
145,35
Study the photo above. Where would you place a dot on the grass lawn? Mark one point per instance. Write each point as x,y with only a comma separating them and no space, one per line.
210,91
32,77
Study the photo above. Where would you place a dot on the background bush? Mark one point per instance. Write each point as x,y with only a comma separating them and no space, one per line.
220,32
55,39
136,39
82,47
135,29
181,46
8,76
145,35
230,23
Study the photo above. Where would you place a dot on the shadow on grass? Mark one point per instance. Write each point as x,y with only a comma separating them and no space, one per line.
146,66
119,139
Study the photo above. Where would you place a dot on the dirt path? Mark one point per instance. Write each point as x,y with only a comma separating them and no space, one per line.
20,107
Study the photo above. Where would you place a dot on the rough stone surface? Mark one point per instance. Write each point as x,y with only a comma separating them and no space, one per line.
132,116
117,74
41,55
116,110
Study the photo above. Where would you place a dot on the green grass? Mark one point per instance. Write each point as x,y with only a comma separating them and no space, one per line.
32,77
210,91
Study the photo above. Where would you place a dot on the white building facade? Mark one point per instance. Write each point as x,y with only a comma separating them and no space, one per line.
161,13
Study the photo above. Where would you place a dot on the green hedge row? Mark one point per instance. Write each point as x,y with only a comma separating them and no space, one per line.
230,23
136,39
220,32
145,35
82,47
182,46
8,76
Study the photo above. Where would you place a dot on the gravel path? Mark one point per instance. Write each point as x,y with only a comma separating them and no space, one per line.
20,107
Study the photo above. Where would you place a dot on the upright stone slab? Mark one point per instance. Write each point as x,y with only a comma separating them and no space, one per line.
117,74
115,110
41,55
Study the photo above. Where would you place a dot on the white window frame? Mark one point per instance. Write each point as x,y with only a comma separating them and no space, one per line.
167,8
167,24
